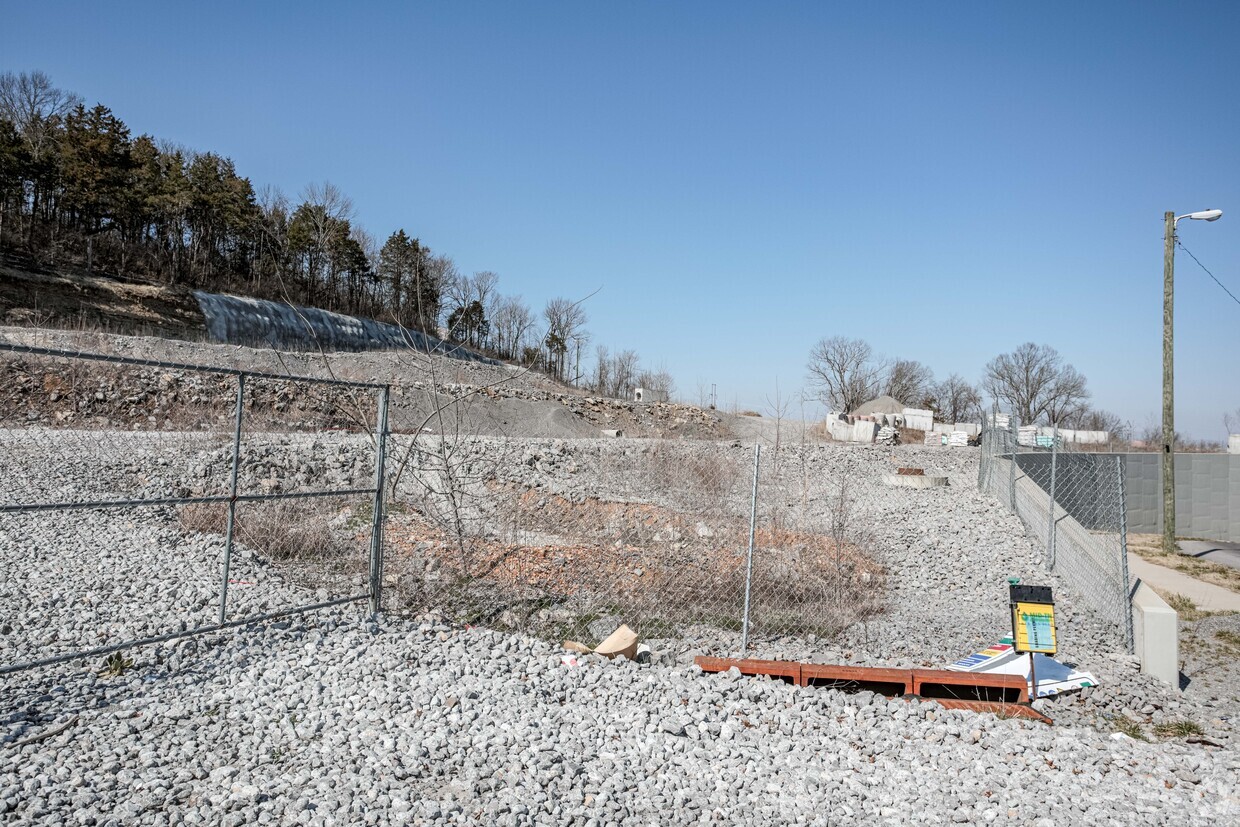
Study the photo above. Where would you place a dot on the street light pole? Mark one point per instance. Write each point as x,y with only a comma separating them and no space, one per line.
1168,390
1168,414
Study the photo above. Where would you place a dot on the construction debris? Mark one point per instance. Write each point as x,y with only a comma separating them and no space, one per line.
622,642
1003,659
998,693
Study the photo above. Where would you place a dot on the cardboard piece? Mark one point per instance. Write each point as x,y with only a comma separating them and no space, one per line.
622,642
1003,659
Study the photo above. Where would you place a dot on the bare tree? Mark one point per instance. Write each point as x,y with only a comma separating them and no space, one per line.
659,381
955,400
778,410
325,210
440,270
511,321
483,287
1037,384
566,322
601,383
1092,419
34,106
624,373
909,382
1231,422
844,372
461,291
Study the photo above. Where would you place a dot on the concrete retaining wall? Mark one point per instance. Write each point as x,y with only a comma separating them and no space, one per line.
1156,635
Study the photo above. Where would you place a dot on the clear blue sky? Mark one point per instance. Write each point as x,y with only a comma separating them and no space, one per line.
945,180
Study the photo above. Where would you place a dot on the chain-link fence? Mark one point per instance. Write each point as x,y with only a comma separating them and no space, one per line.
142,501
677,539
1070,502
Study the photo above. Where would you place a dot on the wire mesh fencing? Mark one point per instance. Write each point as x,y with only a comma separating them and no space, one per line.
1072,503
677,539
144,500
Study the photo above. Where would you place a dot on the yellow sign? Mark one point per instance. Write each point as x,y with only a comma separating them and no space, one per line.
1034,627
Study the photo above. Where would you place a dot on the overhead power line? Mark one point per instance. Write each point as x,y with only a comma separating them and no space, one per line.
1208,273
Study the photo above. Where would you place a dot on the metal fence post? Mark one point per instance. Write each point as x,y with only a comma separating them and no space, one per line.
376,528
232,496
1012,435
753,523
1050,540
1123,554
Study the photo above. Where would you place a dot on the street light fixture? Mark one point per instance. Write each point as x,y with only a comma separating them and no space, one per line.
1168,417
1204,215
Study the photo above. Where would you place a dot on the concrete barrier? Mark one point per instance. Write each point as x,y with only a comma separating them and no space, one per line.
1156,635
918,419
914,481
1075,437
864,432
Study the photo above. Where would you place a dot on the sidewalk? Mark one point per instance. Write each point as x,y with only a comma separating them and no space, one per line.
1167,581
1225,554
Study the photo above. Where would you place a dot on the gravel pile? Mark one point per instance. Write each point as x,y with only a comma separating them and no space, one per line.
334,719
499,400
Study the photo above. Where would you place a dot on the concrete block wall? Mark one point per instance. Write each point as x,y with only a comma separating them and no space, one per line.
1074,436
918,419
1207,488
1143,492
970,428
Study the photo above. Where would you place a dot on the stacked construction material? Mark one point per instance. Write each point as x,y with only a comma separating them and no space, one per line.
935,439
958,439
1027,435
887,435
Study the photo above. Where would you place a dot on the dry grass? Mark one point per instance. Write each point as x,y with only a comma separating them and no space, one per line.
278,530
1184,606
1130,728
1178,729
1149,548
652,565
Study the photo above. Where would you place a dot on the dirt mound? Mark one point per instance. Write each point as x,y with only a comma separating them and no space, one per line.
428,392
53,299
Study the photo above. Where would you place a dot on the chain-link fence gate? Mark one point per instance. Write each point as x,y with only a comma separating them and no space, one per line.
1072,502
143,501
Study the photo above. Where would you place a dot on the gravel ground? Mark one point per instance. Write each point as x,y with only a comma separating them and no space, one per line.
332,719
